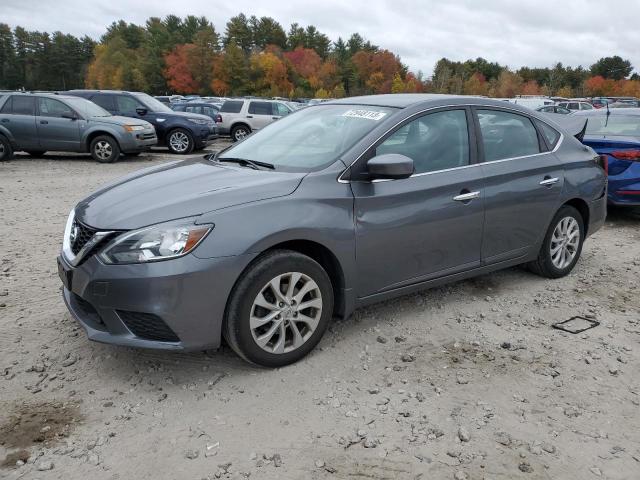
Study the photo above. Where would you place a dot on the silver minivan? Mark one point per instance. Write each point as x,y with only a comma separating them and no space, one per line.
239,117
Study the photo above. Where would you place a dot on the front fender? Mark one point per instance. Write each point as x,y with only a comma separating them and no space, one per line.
4,131
93,130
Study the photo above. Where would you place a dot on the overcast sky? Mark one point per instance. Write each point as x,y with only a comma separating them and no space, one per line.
511,32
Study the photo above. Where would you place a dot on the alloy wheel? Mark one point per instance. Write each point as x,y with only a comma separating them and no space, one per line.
179,142
565,242
285,312
240,133
103,150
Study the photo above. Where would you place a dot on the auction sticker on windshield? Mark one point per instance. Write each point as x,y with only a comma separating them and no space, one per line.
368,114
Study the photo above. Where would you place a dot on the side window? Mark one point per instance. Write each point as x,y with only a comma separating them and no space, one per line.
6,108
24,105
436,141
281,110
550,134
193,109
212,112
507,135
573,106
232,106
587,106
260,108
178,108
104,101
126,104
49,107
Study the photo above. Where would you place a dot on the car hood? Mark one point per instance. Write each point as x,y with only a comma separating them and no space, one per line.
118,120
180,189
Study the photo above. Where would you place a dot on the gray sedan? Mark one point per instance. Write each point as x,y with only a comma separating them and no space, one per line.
333,207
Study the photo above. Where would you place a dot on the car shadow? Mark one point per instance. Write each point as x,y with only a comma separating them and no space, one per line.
623,216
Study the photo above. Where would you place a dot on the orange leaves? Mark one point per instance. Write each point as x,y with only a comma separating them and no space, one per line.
377,69
270,73
178,71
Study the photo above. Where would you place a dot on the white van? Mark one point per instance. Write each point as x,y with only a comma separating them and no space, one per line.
532,102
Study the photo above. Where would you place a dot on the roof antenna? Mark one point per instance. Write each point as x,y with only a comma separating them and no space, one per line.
606,122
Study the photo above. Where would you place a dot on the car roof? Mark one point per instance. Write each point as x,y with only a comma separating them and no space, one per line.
44,94
635,111
406,100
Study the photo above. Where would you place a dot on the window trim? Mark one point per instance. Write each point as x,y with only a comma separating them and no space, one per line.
421,112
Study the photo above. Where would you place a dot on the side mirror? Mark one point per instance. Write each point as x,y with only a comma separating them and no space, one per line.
390,166
141,111
70,115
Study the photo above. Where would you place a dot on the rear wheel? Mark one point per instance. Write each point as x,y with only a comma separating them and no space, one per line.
562,244
180,141
105,149
279,309
35,153
6,152
239,132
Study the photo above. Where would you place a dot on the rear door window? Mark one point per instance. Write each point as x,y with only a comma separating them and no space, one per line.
104,101
260,108
232,106
507,135
211,111
24,105
193,109
6,108
574,106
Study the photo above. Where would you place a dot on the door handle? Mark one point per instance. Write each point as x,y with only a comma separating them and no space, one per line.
548,181
465,197
249,116
43,122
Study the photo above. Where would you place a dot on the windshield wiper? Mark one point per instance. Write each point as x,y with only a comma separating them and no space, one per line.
245,162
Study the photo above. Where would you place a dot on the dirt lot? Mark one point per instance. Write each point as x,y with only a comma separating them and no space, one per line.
467,381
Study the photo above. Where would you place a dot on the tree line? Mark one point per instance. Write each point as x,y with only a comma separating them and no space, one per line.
258,56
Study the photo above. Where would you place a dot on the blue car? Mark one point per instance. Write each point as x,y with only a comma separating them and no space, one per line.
616,133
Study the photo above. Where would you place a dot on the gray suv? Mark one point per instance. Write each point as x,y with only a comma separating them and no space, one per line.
336,206
238,118
37,123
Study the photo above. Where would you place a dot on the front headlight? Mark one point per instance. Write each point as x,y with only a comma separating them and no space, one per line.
133,128
198,121
151,244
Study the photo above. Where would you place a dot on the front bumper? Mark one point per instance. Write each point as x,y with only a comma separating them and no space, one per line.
138,142
205,136
177,304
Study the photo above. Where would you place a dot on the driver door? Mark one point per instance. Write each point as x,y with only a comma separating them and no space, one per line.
58,126
430,224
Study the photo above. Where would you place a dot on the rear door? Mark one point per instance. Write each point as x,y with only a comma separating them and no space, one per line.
428,225
260,114
58,125
523,183
18,116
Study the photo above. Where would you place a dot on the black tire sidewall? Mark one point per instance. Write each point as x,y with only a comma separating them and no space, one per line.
115,149
189,136
551,269
8,151
238,332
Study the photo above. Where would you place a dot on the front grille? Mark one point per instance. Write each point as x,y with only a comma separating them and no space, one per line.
148,136
87,312
82,235
147,326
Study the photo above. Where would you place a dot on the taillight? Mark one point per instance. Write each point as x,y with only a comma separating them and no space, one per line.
218,118
603,161
629,155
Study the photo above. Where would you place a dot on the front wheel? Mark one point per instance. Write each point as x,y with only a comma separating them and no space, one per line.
105,149
180,141
562,244
279,309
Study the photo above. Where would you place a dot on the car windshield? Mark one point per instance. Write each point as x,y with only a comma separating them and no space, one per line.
614,125
153,104
87,108
311,138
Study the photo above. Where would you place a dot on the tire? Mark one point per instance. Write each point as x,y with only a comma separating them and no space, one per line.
35,153
253,290
239,132
566,225
180,141
6,152
105,149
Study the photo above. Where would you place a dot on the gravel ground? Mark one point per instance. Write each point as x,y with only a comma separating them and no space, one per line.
467,381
